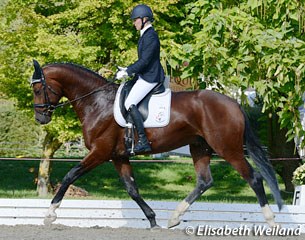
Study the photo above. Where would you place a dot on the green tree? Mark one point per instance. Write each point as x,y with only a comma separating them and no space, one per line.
93,33
19,134
226,44
27,34
258,44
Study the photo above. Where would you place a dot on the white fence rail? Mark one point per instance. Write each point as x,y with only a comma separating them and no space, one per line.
108,213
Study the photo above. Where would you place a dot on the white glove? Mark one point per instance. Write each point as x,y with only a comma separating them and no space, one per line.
122,68
122,73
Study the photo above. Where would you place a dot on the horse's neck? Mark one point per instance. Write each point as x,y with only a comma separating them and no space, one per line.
77,87
87,93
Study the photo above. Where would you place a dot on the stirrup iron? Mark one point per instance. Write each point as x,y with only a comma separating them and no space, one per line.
129,139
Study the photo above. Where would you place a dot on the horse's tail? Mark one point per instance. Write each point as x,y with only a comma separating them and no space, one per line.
258,155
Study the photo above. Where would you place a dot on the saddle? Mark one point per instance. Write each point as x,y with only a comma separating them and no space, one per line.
154,109
143,105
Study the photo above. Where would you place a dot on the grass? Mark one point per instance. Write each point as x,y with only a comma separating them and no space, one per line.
156,181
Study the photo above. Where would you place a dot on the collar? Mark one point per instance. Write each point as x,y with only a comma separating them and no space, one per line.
144,29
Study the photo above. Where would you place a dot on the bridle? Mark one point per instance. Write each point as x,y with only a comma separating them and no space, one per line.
48,106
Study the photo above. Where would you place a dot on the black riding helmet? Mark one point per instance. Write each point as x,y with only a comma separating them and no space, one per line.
142,11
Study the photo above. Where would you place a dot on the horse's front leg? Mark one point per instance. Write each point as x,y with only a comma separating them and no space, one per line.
70,177
89,162
125,171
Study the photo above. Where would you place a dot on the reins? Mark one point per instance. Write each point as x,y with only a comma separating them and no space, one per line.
50,107
82,97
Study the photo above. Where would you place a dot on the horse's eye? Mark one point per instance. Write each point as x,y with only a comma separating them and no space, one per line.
37,91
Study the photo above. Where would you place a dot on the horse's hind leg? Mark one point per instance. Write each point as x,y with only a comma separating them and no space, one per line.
124,169
255,181
201,155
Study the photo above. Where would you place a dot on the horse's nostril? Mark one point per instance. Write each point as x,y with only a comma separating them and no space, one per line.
42,119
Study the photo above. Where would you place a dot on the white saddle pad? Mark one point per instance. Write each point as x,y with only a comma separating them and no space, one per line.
158,109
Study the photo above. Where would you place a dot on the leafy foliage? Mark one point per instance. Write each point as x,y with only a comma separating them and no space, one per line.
19,135
93,33
299,175
234,46
224,45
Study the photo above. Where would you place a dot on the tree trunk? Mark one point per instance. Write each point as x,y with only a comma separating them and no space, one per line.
278,147
50,145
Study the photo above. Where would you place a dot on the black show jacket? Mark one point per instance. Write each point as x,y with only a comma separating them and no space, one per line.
148,65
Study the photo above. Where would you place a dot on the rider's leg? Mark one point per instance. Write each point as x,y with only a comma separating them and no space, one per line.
139,90
137,93
142,144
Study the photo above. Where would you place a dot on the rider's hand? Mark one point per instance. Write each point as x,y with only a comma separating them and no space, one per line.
122,73
122,68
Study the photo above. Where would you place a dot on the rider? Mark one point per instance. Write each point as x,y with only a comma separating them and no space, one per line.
147,69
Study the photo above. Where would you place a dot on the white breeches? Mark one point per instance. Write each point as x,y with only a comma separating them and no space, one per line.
139,90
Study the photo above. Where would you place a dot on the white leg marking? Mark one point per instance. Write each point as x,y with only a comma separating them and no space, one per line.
269,216
51,214
180,210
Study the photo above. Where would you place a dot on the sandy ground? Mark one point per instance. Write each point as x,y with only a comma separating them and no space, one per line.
56,232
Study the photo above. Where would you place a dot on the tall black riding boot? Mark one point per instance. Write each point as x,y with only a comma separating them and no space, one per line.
142,145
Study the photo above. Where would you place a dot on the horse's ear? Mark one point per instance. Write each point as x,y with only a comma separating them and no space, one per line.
38,71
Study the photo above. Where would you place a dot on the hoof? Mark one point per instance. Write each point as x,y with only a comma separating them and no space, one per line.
175,217
271,223
274,225
49,219
155,228
173,222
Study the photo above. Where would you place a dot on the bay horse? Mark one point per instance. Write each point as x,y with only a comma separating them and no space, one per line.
205,120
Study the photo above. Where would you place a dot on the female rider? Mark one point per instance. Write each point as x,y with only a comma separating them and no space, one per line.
147,69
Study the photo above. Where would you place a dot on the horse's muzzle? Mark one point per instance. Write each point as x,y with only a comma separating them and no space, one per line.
42,118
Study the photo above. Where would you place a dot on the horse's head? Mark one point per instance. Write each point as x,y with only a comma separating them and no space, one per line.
45,97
